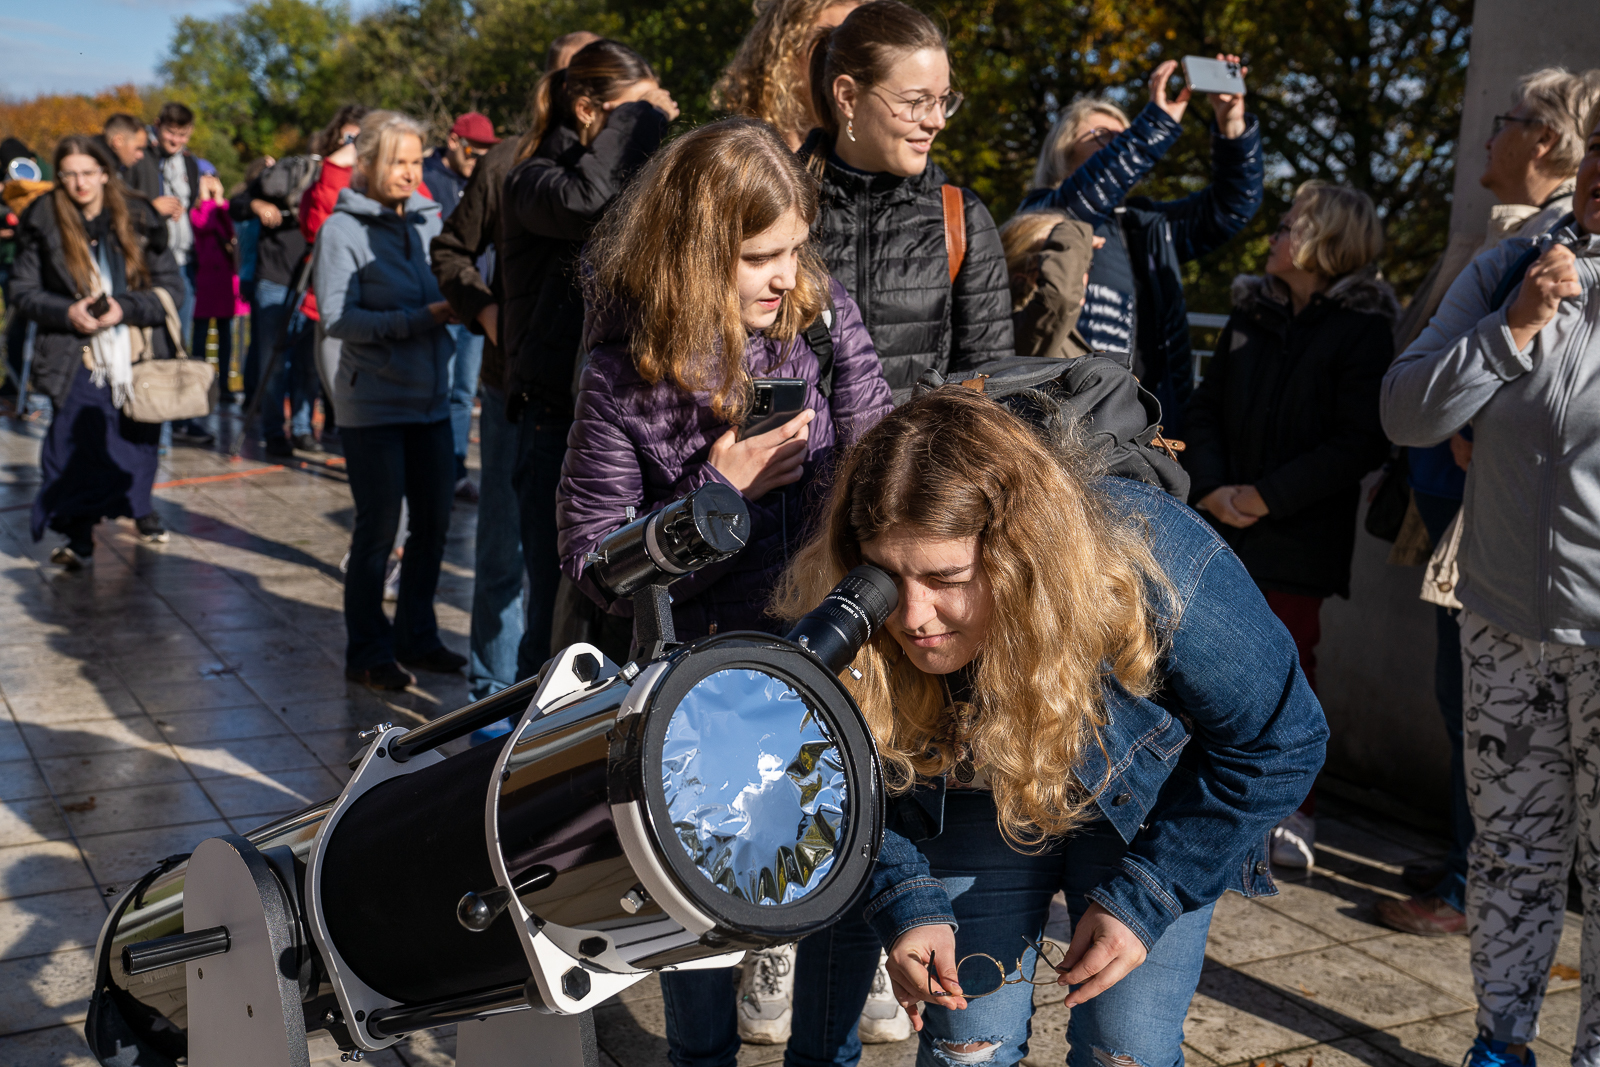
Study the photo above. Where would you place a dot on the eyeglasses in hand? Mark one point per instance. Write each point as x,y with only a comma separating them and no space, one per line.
917,109
1048,951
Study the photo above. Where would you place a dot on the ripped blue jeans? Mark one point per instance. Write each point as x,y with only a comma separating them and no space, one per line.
1001,899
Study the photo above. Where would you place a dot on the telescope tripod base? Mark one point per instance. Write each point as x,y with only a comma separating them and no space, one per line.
519,1038
243,1011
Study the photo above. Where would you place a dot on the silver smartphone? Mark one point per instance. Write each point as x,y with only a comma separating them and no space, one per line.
1212,75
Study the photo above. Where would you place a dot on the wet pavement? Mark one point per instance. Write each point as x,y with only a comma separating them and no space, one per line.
172,692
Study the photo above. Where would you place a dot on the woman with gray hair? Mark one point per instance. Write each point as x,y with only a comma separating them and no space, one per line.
1517,355
378,296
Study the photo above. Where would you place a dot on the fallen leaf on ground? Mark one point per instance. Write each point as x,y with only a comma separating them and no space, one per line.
1562,971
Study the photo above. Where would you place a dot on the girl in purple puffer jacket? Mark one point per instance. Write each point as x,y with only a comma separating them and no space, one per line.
702,280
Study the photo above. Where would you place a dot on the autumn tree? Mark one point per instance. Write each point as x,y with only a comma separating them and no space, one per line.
41,122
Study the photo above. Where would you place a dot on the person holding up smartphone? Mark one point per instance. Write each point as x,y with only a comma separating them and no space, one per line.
1091,160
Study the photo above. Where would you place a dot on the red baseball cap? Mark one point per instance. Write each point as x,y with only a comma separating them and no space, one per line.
475,128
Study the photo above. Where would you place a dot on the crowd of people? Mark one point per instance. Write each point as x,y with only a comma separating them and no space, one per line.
1095,701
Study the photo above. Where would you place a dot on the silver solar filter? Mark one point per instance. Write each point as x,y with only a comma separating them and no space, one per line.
719,796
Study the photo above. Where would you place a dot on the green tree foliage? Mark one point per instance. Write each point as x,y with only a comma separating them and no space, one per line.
1360,91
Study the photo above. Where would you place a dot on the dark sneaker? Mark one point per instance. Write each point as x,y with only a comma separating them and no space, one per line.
466,492
151,532
65,556
1428,916
440,661
191,432
390,676
279,447
304,442
1423,876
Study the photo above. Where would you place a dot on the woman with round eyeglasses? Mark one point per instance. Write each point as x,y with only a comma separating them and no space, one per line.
880,84
1092,159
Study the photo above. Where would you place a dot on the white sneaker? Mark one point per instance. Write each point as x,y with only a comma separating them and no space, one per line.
883,1020
391,581
1293,840
766,987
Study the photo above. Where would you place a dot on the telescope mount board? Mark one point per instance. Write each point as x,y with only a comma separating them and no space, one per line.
357,1000
245,1012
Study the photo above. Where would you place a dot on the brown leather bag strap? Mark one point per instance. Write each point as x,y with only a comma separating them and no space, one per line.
955,228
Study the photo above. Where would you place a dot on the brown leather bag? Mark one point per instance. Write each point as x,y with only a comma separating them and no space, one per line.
168,389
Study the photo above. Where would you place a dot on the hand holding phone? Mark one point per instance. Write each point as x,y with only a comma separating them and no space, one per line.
1222,79
99,306
777,400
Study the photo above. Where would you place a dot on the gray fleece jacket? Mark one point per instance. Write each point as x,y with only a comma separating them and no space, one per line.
373,290
1530,546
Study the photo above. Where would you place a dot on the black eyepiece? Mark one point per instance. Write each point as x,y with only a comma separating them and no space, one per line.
836,629
710,524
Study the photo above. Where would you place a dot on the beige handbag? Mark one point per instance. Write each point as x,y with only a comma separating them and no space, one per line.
165,390
1440,578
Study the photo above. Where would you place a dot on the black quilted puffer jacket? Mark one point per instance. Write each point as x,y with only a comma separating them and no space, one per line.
882,238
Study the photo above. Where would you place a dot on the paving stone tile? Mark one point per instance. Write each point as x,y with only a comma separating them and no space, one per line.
218,724
1234,1018
252,755
118,859
24,822
256,796
1335,907
146,669
333,747
45,990
83,738
20,780
74,704
1353,990
200,694
113,770
42,868
1558,1023
58,1046
140,807
287,685
12,746
634,1035
1242,930
1443,962
355,711
49,922
1432,1042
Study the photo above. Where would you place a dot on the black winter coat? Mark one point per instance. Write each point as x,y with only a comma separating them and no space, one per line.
42,289
1161,236
458,251
882,238
1289,404
552,200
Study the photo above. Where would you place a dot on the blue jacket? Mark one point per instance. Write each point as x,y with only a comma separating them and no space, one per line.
1162,236
1195,815
373,289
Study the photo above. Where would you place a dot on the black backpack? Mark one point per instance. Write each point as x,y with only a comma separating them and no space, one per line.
1119,417
286,181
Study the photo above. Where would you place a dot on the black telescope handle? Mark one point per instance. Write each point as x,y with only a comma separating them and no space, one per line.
461,722
179,948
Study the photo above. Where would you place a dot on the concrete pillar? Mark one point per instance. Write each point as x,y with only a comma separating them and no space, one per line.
1375,665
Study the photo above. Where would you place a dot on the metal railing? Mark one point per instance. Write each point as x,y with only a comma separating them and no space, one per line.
1201,321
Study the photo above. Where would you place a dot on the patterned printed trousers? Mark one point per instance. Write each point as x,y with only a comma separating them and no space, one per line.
1532,719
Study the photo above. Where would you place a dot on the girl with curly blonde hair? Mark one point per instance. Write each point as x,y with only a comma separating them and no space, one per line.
1080,689
770,77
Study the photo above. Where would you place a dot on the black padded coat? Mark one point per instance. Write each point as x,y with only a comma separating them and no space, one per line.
552,201
882,238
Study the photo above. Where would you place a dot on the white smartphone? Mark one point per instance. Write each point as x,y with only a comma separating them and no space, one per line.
1212,75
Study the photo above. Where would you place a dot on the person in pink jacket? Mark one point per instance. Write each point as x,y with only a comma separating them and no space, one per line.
216,278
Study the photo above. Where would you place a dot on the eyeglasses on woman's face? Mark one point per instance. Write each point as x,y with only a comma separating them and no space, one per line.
915,109
1048,951
1500,122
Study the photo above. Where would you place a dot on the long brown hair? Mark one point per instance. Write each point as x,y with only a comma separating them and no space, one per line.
69,220
599,70
668,253
766,79
327,141
1077,598
866,45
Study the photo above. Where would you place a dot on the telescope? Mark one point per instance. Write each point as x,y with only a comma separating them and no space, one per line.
704,799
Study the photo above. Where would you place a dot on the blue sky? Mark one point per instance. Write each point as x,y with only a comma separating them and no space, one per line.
87,45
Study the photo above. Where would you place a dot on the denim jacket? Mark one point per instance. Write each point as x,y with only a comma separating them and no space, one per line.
1195,816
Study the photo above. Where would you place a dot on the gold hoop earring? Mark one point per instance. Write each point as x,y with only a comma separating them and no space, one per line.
850,129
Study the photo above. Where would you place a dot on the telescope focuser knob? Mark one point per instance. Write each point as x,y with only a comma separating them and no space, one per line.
634,900
478,911
376,731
